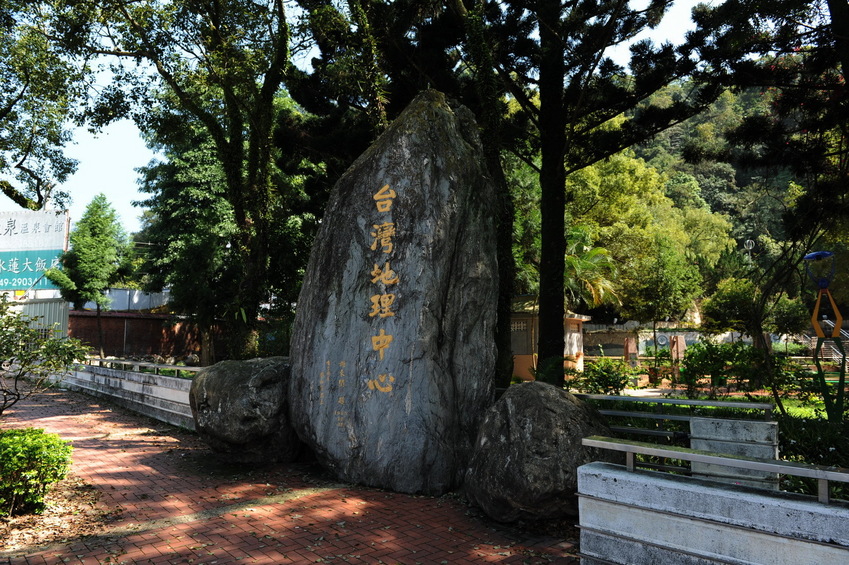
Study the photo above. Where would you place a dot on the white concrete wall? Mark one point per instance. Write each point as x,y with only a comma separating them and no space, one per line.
163,398
649,518
130,299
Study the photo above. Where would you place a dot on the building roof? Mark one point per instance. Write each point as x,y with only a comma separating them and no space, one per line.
529,304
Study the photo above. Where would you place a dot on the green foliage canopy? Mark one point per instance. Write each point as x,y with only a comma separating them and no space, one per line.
665,288
42,90
221,65
736,305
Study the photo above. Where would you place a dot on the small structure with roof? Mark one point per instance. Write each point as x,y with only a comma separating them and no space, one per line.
524,331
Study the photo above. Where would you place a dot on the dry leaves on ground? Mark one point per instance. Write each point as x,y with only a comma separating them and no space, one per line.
72,511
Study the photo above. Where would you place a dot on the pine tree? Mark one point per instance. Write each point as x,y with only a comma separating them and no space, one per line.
92,264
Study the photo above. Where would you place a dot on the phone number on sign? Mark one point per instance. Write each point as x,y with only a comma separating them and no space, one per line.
18,282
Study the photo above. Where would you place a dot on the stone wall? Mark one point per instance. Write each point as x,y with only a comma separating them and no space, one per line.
163,398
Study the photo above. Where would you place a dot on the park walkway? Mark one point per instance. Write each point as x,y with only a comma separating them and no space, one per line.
169,500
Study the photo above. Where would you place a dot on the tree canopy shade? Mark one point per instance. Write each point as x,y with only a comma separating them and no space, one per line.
92,264
560,50
805,125
41,88
222,64
735,306
666,288
188,230
798,139
206,81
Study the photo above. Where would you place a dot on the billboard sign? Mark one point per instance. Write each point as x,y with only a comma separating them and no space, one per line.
30,243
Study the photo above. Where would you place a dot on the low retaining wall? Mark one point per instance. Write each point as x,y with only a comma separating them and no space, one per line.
163,398
649,517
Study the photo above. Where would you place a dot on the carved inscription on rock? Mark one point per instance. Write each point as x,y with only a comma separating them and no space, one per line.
393,351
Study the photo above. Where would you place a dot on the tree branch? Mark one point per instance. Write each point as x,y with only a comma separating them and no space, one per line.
18,197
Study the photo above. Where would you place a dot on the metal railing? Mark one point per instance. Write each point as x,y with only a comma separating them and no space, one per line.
659,416
140,366
632,448
829,350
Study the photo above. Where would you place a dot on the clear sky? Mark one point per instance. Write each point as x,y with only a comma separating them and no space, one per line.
107,161
107,164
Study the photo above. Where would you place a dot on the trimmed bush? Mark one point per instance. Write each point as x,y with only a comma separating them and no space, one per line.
605,375
30,461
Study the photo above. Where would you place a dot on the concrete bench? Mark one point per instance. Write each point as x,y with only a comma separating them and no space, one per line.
642,517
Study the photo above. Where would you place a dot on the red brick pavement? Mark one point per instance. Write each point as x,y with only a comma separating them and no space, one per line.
170,501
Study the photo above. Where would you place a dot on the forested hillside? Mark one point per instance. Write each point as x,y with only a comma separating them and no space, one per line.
675,218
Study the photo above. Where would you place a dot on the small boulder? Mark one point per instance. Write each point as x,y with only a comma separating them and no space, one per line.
191,360
524,464
240,409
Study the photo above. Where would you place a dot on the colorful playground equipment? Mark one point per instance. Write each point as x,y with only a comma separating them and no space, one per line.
833,401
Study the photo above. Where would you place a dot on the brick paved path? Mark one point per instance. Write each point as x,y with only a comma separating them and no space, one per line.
171,501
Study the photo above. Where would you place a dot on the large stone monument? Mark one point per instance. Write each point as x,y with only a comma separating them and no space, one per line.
393,351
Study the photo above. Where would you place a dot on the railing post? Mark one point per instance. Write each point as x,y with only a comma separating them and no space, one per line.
822,491
630,460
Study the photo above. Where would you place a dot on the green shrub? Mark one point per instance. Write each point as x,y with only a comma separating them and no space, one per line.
660,364
33,357
815,441
605,375
723,364
792,349
659,352
705,359
30,461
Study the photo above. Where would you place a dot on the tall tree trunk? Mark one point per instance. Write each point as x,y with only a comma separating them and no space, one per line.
100,331
506,274
839,12
761,342
654,338
552,126
207,346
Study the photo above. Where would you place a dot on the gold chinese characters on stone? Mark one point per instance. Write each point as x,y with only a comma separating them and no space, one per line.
384,198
